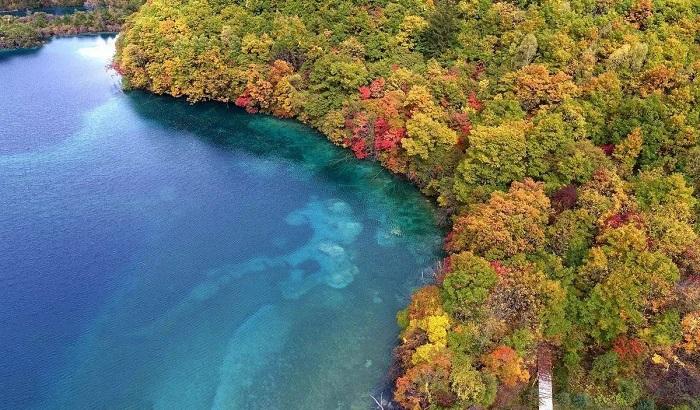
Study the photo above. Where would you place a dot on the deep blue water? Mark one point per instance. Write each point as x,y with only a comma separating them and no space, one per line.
57,11
155,254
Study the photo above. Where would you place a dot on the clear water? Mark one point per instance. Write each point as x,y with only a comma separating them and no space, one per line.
155,254
57,11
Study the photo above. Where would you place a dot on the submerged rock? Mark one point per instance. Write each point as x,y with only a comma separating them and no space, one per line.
332,219
251,348
333,226
384,238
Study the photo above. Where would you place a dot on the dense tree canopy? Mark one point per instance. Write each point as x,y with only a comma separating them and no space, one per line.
32,29
560,135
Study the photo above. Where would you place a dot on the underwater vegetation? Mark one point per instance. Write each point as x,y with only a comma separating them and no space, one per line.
559,137
173,256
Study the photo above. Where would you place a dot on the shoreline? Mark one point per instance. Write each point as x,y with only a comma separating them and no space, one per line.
19,31
59,36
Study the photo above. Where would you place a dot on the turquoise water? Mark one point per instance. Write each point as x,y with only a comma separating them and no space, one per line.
155,254
57,11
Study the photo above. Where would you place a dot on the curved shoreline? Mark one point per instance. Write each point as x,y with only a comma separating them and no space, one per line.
352,328
560,170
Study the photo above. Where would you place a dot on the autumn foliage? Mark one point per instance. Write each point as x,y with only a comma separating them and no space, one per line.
560,139
505,363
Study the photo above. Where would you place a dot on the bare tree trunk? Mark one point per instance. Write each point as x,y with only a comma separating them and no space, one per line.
544,377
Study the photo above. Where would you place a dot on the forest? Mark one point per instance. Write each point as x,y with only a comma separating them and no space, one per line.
33,29
559,138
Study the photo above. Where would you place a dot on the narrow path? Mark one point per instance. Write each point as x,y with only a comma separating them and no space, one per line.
544,377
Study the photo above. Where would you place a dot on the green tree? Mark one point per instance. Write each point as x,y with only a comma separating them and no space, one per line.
467,285
494,159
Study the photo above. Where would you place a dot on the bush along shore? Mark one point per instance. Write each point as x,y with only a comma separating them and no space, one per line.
560,136
31,27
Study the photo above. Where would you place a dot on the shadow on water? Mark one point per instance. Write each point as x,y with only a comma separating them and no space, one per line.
231,128
7,55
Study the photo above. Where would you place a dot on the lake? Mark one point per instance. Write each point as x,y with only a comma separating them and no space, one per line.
156,254
56,11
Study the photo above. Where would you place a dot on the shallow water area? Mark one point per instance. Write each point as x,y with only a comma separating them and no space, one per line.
156,254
